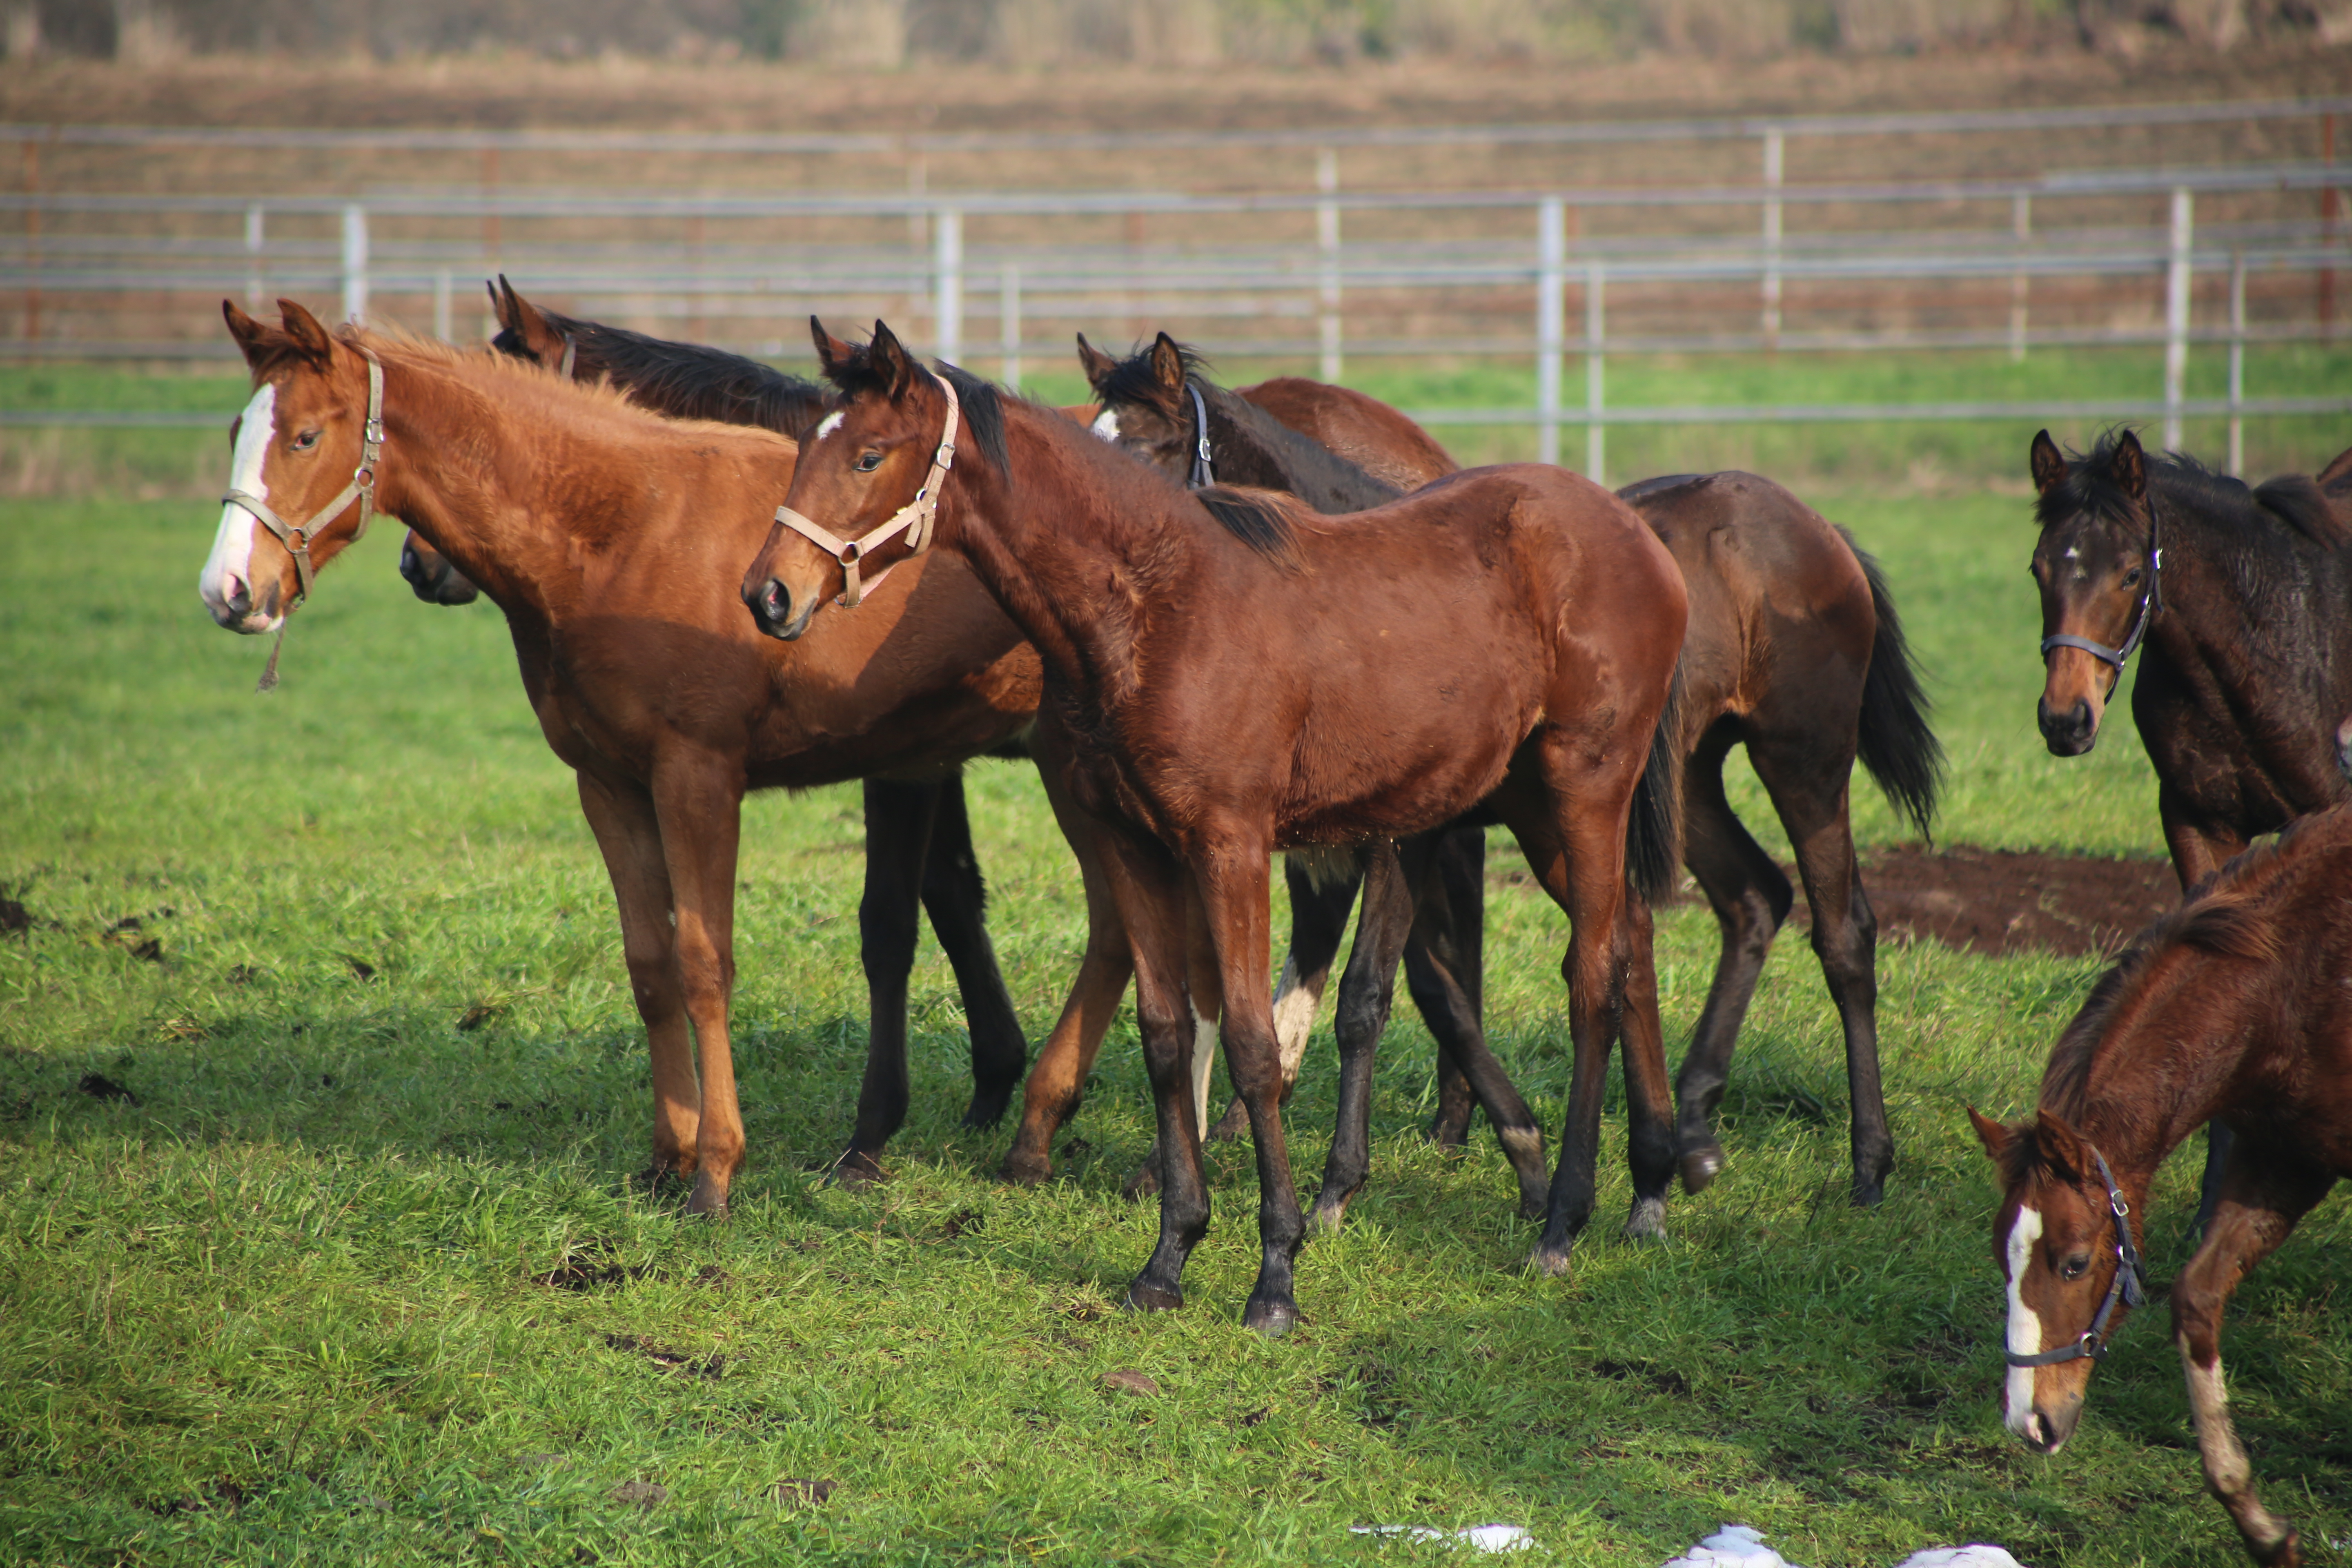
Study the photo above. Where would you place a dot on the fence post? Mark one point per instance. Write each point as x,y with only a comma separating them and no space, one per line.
2021,225
441,292
1008,322
1773,164
355,262
1551,311
1327,240
254,242
2237,363
1596,433
947,283
2176,318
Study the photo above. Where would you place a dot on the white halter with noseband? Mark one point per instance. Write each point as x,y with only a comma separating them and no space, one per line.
914,520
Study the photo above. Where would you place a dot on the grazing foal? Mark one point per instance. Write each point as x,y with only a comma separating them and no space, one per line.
2233,1010
611,538
1227,677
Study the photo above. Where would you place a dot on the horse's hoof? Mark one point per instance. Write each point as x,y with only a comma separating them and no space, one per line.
1230,1126
1702,1162
1141,1182
1026,1170
1273,1318
1869,1192
2286,1552
709,1199
987,1108
659,1177
1142,1298
855,1170
1550,1260
1328,1218
1648,1220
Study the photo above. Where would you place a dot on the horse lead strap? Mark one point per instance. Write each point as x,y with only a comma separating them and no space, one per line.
2125,1287
1203,475
914,519
297,537
2149,603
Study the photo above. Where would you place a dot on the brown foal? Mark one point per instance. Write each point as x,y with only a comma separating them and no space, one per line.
2234,1011
1227,676
612,539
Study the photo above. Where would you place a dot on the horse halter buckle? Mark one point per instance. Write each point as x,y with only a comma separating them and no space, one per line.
2125,1287
2150,601
914,519
1203,473
297,537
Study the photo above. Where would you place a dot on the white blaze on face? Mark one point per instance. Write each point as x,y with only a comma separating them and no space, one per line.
231,562
2024,1323
827,425
1105,425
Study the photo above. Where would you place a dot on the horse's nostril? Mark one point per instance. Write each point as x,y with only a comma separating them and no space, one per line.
775,605
236,594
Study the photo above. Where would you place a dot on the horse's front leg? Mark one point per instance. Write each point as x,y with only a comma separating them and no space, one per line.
1367,991
2199,848
956,897
1230,880
2260,1203
898,819
1149,890
698,799
628,833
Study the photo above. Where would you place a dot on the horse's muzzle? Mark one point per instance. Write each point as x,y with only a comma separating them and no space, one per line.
435,581
2069,733
770,604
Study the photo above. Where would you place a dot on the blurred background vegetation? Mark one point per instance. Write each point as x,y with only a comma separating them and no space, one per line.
1030,34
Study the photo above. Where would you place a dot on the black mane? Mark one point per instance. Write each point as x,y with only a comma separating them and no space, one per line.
2187,489
981,403
686,381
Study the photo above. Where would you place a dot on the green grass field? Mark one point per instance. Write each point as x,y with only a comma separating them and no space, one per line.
285,1305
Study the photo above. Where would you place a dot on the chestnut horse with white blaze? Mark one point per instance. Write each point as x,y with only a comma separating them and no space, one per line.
612,539
2232,1011
1227,674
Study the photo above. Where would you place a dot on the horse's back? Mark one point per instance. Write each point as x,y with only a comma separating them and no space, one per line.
1369,434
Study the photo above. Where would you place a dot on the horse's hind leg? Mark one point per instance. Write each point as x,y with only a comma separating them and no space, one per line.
1809,789
1367,990
1750,899
1649,1101
1443,959
898,819
957,901
2260,1203
698,800
1318,920
629,835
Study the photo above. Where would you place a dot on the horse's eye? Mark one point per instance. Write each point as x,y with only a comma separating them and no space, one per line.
2076,1268
2131,578
305,441
869,461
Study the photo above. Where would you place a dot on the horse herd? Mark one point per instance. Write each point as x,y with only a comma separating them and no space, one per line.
1233,624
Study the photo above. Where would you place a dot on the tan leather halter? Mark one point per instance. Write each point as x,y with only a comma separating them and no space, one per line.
914,519
297,537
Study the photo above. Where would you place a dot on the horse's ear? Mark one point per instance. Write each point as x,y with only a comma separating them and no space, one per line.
2336,471
831,351
891,361
309,336
2060,1146
492,289
1997,1138
256,340
530,324
1099,364
2130,465
507,304
2048,464
1168,365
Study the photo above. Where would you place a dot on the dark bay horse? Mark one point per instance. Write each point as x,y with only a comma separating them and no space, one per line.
1228,676
2232,1011
2238,602
1793,650
612,539
919,851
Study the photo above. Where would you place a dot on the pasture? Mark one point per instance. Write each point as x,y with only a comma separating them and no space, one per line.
320,1092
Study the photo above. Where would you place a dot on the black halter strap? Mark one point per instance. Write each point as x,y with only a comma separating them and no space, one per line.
2150,601
2126,1287
1203,473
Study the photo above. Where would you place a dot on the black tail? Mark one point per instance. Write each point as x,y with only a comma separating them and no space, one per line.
1654,833
1897,745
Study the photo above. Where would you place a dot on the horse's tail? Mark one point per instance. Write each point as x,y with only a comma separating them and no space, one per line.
1653,832
1895,743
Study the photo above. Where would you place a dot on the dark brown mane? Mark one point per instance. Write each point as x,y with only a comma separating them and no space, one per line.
688,380
1263,519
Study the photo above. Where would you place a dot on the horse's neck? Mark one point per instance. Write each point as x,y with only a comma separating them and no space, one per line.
2148,1086
1240,454
1268,454
444,473
1074,570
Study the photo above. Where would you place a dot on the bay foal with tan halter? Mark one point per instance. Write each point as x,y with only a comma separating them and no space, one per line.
612,539
1221,687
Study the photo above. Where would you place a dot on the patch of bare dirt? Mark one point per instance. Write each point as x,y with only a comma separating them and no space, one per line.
1995,901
